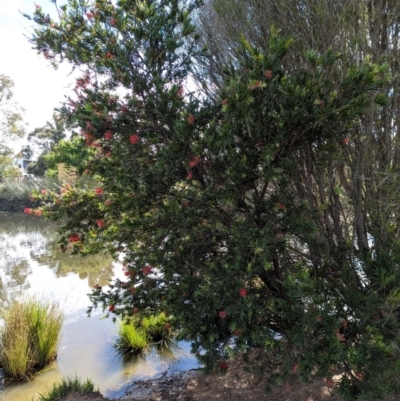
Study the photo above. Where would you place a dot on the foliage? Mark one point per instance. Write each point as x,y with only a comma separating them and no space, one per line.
238,213
73,153
7,170
68,386
29,337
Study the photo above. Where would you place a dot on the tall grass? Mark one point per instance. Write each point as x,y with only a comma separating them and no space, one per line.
29,336
67,387
132,340
137,334
21,190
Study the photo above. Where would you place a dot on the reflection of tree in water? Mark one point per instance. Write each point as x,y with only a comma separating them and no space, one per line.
28,241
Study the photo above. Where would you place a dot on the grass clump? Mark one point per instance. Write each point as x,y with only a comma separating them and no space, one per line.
137,334
29,337
67,387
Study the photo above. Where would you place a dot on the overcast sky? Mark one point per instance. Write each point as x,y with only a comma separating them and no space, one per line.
38,87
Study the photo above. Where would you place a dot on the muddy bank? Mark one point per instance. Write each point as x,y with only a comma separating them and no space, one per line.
235,385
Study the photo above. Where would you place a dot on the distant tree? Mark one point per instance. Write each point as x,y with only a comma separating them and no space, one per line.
11,122
73,153
7,170
44,139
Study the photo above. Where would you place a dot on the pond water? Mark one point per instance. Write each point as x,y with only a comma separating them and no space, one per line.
31,264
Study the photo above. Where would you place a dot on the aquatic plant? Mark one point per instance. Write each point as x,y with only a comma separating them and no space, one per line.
68,386
137,334
29,336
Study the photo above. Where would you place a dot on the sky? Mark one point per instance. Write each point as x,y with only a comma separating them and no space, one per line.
39,88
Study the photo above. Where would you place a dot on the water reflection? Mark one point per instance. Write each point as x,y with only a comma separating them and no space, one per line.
28,242
31,263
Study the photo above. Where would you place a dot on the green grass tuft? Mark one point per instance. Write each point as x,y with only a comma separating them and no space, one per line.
137,334
132,339
29,336
67,387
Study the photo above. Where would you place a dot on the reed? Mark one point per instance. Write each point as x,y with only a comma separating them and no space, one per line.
68,386
21,190
29,336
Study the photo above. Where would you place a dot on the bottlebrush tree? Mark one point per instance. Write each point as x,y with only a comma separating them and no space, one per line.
197,196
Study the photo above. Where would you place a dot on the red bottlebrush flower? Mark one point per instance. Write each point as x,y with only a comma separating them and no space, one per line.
167,326
329,382
268,75
108,202
243,292
147,269
224,102
359,375
340,336
100,223
281,206
190,119
109,55
194,161
223,365
37,212
189,175
113,21
295,368
346,141
134,139
28,210
127,273
255,85
89,139
108,135
99,191
111,308
222,314
74,238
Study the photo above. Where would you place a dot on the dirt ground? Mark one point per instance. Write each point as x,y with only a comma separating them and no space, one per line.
235,385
